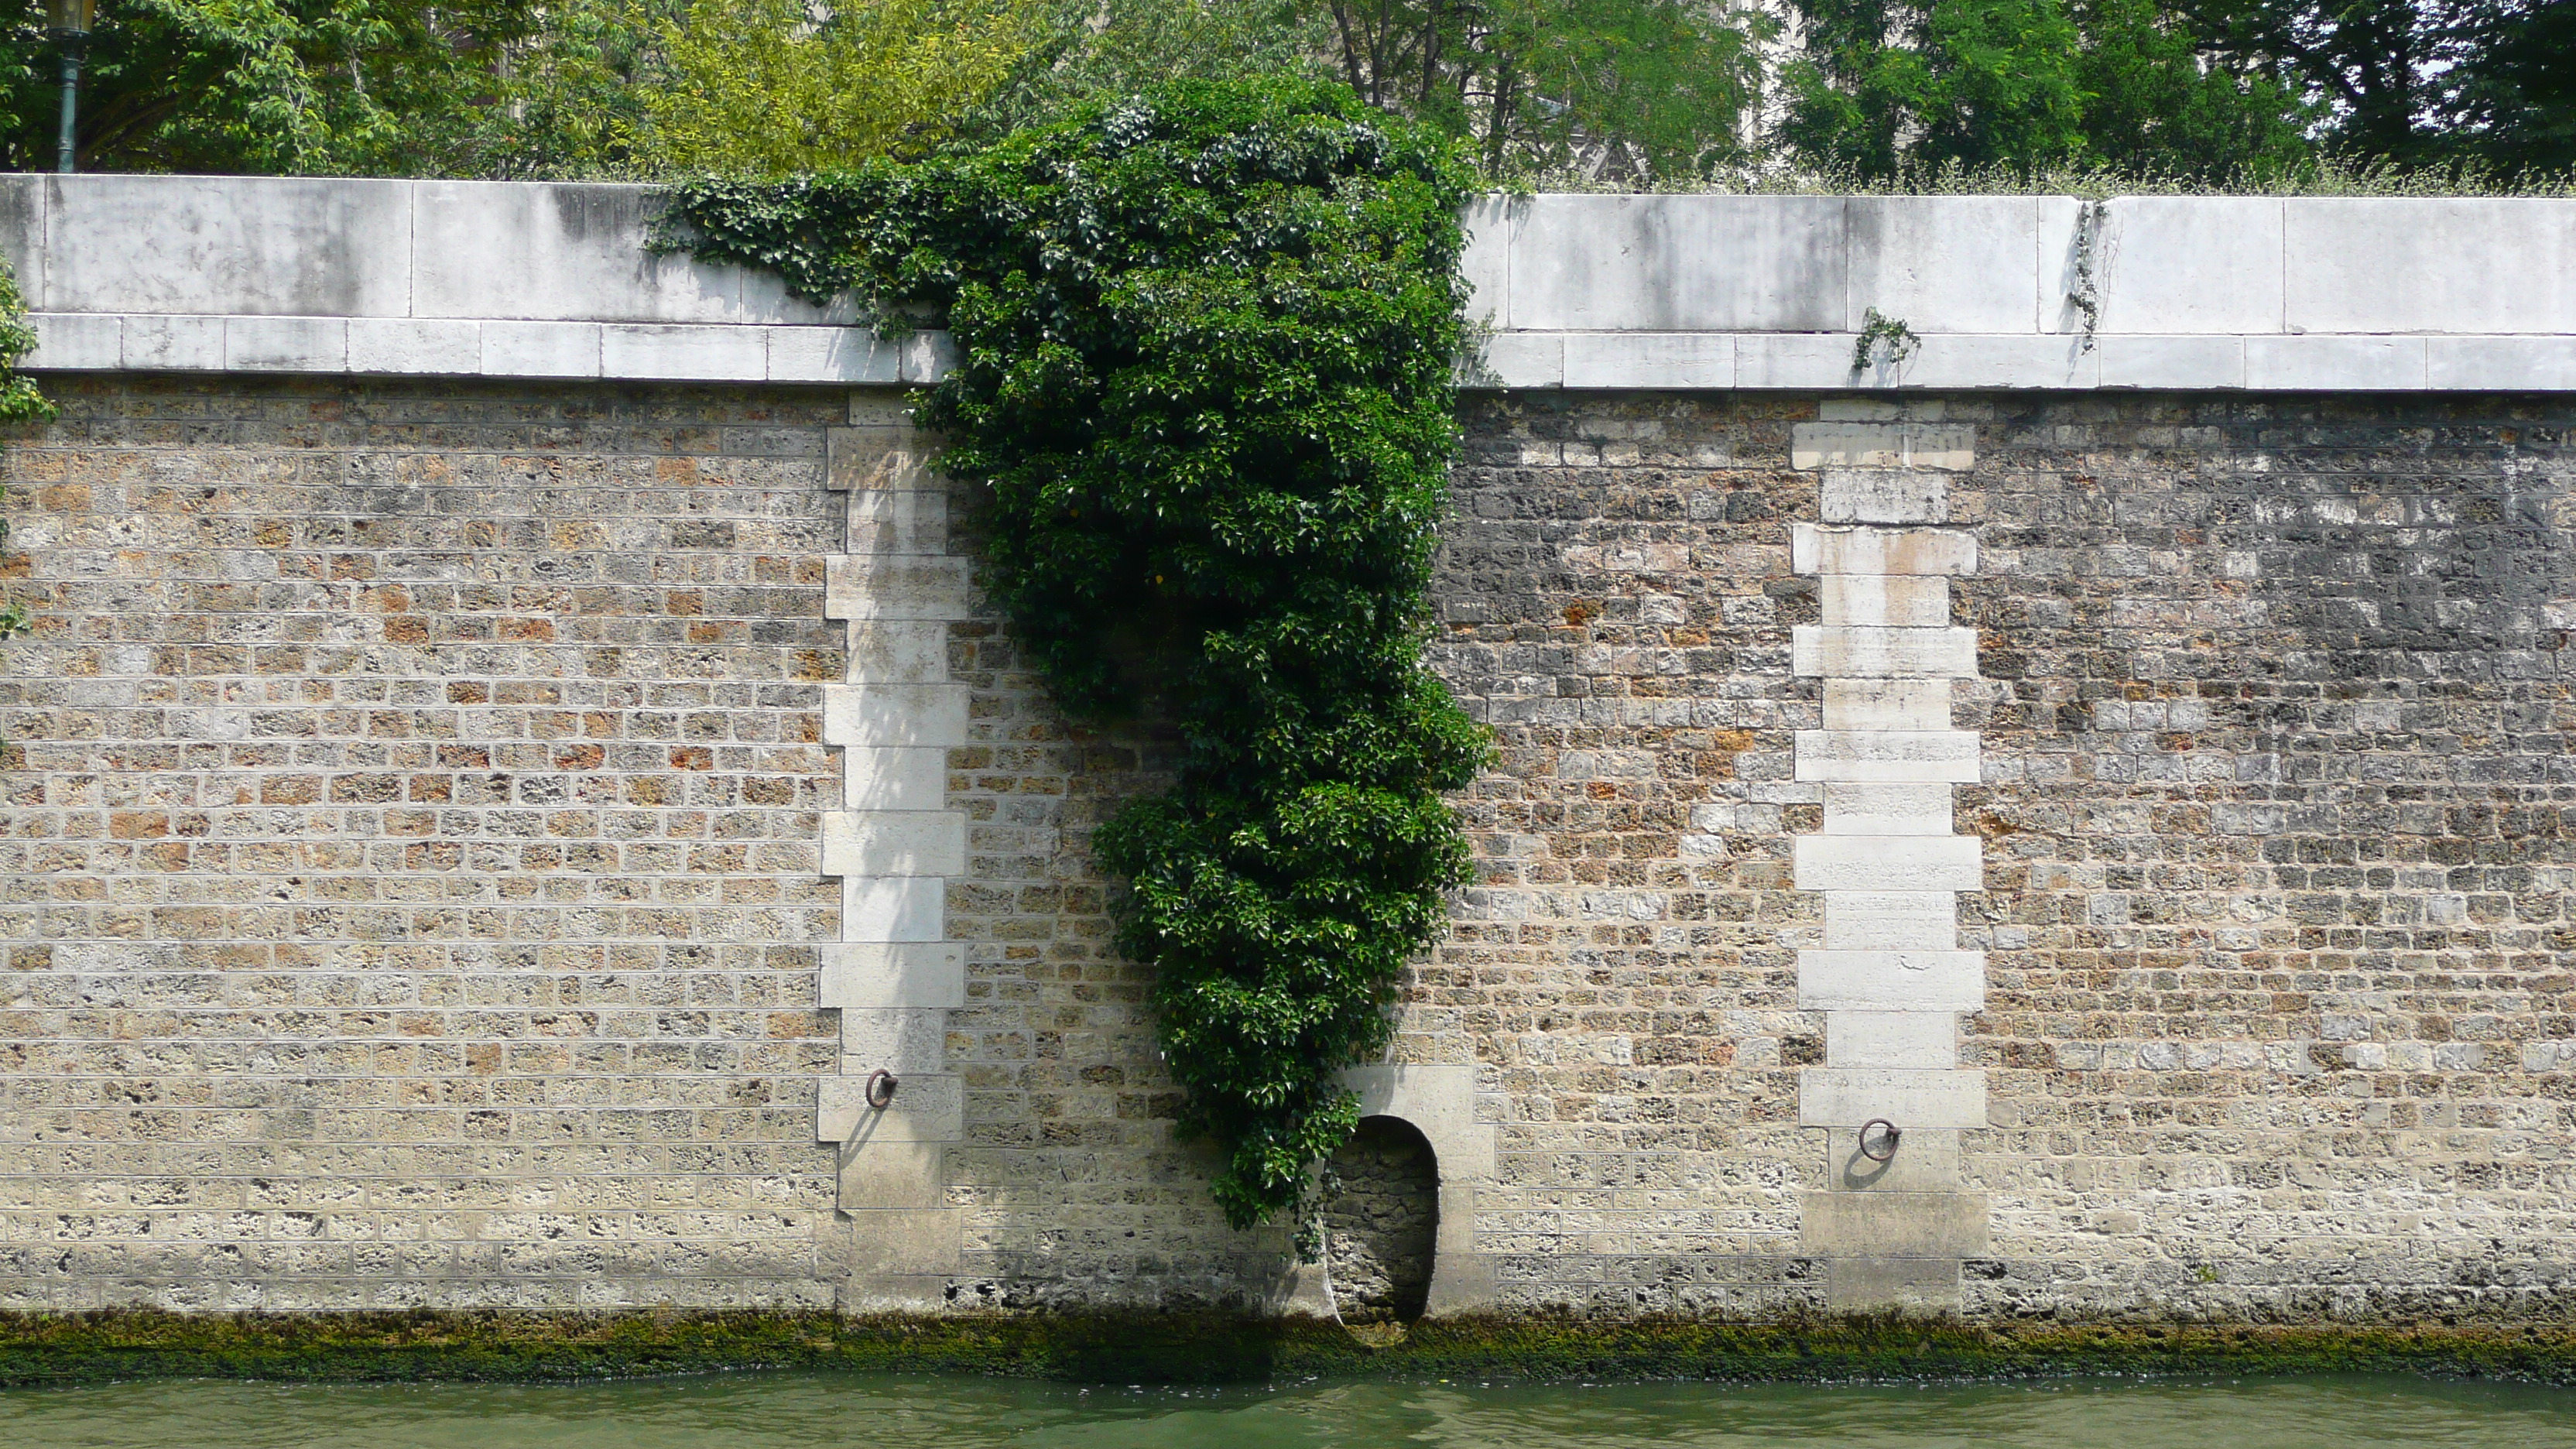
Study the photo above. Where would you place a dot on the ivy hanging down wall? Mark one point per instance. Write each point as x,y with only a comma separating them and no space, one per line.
1207,338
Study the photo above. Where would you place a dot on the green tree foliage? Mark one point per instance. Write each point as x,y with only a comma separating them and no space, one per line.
1207,337
1884,87
311,86
2418,82
1653,89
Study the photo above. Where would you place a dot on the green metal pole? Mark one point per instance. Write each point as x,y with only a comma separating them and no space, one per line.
66,157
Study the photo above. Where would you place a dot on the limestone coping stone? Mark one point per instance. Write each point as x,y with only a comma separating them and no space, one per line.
545,280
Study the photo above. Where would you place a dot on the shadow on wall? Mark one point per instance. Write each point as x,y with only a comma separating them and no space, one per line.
1381,1214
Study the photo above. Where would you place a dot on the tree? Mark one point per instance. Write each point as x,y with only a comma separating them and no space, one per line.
1884,87
2419,81
261,85
1646,88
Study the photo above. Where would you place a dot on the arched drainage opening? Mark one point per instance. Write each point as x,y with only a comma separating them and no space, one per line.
1381,1210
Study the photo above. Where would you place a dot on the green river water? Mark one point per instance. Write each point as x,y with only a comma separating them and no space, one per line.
757,1411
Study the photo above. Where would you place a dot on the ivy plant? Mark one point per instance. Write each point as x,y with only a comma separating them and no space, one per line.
20,402
1207,335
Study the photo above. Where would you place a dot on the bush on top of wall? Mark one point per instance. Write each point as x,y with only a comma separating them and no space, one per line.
1207,336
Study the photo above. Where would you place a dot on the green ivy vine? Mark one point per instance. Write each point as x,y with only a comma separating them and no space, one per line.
1207,336
20,402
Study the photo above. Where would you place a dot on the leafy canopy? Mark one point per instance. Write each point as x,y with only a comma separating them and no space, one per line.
1207,336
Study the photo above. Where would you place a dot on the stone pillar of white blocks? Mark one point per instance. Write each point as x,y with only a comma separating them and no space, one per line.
1888,975
894,975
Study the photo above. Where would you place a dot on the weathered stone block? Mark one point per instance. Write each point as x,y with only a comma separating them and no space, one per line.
1927,979
876,974
1855,651
894,842
1889,863
1848,1097
1837,549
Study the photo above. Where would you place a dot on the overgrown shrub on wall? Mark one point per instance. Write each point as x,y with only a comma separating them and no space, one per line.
20,402
1207,336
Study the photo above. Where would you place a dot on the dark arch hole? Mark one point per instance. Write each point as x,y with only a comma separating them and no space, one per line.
1381,1215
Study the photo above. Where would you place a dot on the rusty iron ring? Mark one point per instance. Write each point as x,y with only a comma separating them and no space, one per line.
1892,1135
881,1087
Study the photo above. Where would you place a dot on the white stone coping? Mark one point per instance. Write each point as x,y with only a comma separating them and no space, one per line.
554,280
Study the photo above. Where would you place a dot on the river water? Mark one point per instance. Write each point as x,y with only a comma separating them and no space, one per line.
757,1411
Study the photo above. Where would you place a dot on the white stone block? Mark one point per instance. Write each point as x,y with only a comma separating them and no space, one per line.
1485,264
1522,360
1958,263
884,521
1885,495
1891,921
404,346
881,456
894,779
929,356
569,252
540,349
286,344
2180,364
1991,364
907,1041
1902,1040
1860,705
1887,862
832,354
76,342
1859,651
1895,755
2501,364
1649,360
1796,361
227,245
1913,1100
894,842
1878,808
22,235
2461,264
1440,1101
927,1107
683,352
1679,264
895,715
2335,364
898,586
1827,549
2182,265
881,975
1893,601
894,908
173,344
1948,447
890,1174
1935,980
898,651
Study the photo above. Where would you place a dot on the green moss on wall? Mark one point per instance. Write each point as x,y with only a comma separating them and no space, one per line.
93,1347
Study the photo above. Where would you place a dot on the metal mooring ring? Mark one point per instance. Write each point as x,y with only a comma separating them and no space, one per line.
1889,1141
881,1085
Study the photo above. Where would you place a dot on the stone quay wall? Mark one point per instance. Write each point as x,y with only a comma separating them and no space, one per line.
469,835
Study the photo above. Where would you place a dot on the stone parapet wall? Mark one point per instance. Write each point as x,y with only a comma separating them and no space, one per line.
1583,293
423,884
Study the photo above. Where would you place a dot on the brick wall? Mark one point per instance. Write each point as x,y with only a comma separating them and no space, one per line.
409,854
411,895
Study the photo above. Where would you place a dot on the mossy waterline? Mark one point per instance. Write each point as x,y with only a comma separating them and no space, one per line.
492,1346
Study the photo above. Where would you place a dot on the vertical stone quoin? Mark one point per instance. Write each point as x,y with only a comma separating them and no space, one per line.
895,974
1889,976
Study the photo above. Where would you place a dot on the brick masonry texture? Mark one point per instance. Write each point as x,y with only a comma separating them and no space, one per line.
411,886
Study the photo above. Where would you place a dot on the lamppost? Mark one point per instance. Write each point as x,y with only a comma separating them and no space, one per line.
68,23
